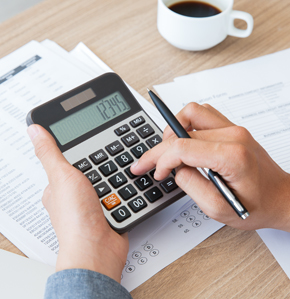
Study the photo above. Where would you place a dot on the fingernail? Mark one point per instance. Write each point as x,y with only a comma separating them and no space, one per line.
32,131
134,164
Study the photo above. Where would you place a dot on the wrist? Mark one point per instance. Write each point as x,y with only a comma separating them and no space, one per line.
283,204
91,255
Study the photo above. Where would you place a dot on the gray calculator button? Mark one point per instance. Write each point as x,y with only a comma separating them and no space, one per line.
124,159
127,192
145,131
137,121
137,204
168,185
118,180
153,194
98,156
120,215
108,168
93,176
154,140
130,139
122,130
143,182
102,189
83,165
129,173
139,150
114,148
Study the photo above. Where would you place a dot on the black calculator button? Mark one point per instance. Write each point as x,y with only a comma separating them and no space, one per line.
154,140
122,130
130,139
98,156
145,131
121,214
118,180
114,148
168,185
127,192
102,189
153,194
143,182
83,165
93,176
137,121
124,159
152,174
139,150
137,204
129,173
108,168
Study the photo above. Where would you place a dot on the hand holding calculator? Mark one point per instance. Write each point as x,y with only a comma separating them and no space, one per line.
101,130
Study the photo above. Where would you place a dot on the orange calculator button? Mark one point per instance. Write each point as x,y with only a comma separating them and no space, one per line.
111,201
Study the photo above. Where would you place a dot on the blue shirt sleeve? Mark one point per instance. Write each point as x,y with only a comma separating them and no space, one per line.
83,284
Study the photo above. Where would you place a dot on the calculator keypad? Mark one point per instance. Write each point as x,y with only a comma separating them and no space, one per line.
123,194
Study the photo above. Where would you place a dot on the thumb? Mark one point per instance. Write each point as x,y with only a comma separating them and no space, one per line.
46,151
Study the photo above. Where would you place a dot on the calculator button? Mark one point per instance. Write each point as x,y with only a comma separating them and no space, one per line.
137,121
111,201
118,180
83,165
139,150
98,156
124,159
143,182
168,185
127,192
137,204
153,194
152,174
93,176
129,173
121,214
145,131
108,168
154,140
130,139
114,148
122,130
102,189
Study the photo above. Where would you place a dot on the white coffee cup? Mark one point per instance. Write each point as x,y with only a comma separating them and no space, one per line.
196,34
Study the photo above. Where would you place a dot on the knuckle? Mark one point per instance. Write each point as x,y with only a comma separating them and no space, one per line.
180,144
241,133
240,152
42,150
207,106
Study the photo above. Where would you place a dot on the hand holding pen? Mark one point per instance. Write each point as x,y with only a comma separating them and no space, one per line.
217,144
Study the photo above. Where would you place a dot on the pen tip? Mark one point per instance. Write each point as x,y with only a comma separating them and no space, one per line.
148,89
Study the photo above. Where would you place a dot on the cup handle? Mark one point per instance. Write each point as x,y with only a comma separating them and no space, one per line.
234,31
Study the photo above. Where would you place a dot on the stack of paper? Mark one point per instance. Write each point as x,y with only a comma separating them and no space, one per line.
36,73
254,94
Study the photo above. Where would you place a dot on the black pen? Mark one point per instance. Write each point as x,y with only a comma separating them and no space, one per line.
212,175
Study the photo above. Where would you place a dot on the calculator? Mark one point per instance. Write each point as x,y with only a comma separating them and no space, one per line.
101,129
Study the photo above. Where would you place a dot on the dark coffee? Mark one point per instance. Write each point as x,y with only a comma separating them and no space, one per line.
196,9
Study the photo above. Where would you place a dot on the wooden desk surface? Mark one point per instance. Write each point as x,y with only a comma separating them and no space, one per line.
231,263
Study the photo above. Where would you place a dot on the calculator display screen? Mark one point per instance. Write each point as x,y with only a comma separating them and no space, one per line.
89,118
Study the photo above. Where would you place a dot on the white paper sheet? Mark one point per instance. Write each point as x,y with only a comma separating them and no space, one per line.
21,277
254,94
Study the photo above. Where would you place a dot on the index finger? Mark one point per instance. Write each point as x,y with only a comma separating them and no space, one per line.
199,117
